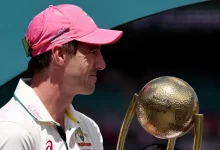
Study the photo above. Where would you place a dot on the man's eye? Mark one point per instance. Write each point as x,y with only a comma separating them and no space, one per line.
94,52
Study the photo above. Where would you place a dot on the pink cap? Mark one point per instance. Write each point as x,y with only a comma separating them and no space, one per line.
63,23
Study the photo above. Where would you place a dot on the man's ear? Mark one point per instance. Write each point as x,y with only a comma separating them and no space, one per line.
58,55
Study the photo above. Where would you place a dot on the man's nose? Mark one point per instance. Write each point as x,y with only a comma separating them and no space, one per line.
99,62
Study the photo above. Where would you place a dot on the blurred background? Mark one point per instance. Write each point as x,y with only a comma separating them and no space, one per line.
181,42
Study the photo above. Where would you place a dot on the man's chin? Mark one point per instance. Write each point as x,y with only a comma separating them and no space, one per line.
89,90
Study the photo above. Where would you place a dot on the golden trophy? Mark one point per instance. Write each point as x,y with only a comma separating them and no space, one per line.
167,108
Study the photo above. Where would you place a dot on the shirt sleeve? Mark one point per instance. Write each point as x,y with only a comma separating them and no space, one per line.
14,136
100,141
98,138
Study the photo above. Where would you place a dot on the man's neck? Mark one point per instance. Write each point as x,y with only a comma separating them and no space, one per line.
55,101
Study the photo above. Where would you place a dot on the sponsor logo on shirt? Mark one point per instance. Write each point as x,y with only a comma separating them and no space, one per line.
33,110
49,145
82,138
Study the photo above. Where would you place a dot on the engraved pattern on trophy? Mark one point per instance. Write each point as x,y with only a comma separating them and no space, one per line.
166,106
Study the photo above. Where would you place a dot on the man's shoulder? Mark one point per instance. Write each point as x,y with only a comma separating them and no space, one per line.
86,119
13,135
92,129
13,112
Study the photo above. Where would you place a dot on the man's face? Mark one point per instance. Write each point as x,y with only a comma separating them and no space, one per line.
81,69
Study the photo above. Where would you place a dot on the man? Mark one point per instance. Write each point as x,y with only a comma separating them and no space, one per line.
64,44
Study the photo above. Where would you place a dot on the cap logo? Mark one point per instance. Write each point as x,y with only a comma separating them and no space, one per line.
26,47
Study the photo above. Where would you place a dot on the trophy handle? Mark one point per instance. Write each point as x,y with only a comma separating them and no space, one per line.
198,128
198,131
126,123
171,144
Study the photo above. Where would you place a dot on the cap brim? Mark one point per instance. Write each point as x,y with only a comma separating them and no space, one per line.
101,37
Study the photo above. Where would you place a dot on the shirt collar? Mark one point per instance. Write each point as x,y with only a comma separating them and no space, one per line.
26,96
72,115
